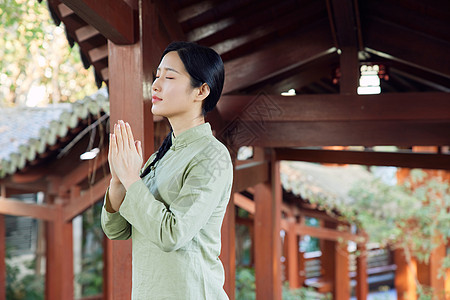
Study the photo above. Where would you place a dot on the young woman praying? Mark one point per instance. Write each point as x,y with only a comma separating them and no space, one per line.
173,207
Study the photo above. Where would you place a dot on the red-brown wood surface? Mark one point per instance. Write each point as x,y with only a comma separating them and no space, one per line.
2,257
334,107
268,197
228,254
292,256
362,286
405,274
370,158
116,23
341,275
12,207
59,274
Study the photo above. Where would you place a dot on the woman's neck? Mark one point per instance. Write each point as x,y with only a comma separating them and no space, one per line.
182,124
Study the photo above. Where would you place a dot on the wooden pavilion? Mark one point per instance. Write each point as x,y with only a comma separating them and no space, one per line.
315,48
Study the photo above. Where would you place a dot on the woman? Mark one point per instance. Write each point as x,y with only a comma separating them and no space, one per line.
174,207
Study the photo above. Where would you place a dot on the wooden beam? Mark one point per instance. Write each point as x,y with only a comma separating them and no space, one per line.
19,208
228,251
167,15
381,38
268,198
59,257
326,233
250,174
333,107
345,21
86,32
369,158
265,63
84,170
2,257
86,199
98,54
244,203
305,134
114,19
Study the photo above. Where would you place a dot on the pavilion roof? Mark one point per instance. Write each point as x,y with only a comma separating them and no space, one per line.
327,187
28,132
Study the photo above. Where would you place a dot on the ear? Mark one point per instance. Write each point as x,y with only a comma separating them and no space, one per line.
202,92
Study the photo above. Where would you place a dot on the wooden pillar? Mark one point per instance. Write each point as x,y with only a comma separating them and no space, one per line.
362,287
335,265
428,273
301,267
59,258
228,254
328,259
2,257
292,256
405,276
130,80
341,275
268,197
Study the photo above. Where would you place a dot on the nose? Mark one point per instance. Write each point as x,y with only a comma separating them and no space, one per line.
155,86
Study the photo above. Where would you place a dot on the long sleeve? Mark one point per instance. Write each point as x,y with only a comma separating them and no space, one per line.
170,227
114,225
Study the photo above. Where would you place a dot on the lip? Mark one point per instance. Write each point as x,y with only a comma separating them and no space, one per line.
156,99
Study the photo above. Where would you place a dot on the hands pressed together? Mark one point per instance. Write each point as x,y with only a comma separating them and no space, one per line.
125,161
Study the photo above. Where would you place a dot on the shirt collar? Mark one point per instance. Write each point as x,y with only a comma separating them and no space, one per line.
190,135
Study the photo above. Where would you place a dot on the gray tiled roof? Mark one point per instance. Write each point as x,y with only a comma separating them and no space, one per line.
26,132
326,186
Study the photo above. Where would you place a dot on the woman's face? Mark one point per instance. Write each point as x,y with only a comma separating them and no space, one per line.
172,93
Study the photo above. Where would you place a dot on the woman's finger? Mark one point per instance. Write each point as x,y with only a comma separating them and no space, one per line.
123,131
119,139
130,135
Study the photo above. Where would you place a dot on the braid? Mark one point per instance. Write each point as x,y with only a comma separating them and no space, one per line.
165,146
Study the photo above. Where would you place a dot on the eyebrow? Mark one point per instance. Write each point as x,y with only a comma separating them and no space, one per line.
169,69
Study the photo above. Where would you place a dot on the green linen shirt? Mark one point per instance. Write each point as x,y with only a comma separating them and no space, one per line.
174,217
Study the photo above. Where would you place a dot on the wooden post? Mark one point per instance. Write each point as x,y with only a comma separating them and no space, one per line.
59,258
328,259
228,254
2,258
291,254
405,276
362,287
335,265
349,65
130,80
341,275
427,273
268,197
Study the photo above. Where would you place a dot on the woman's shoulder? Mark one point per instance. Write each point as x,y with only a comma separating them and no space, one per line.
212,148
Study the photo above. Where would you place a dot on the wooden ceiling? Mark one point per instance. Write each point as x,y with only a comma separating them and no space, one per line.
275,46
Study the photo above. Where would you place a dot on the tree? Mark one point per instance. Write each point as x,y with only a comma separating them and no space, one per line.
37,66
413,216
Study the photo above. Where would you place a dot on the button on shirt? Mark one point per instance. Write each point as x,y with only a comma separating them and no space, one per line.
174,217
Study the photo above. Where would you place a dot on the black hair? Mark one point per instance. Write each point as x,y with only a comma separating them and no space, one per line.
204,65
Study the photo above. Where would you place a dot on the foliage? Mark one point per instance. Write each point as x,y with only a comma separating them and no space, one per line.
36,57
29,287
414,216
245,288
